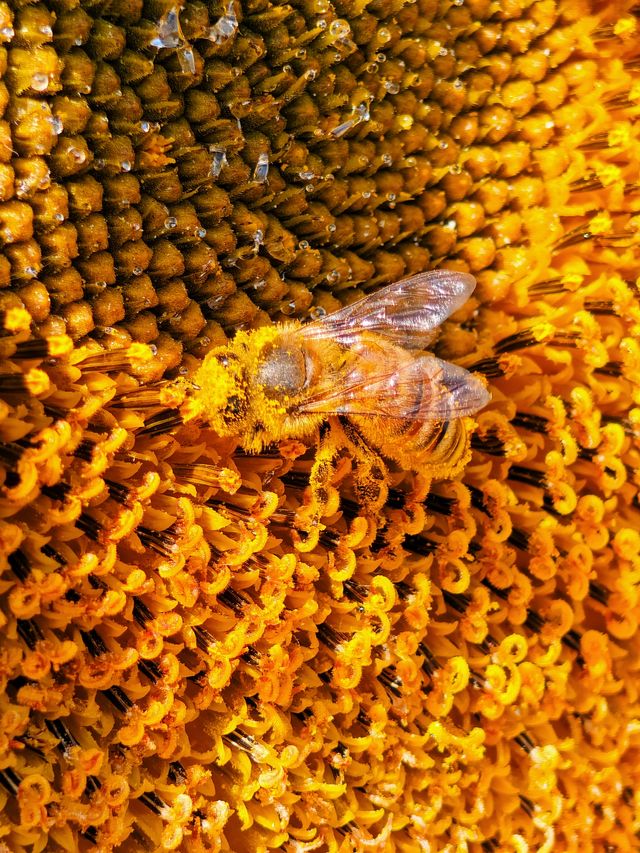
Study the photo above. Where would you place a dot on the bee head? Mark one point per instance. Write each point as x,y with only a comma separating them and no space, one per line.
223,384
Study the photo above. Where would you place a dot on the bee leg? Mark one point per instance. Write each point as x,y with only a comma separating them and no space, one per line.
324,498
370,474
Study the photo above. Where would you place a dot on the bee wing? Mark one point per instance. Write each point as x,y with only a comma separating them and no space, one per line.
424,388
407,312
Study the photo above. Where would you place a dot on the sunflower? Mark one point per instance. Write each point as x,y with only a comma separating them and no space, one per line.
181,668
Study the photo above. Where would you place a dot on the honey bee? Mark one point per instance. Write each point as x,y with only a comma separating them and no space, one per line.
360,380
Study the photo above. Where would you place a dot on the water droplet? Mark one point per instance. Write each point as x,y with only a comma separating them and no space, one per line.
170,222
303,244
391,87
259,285
154,349
32,272
381,57
58,217
321,7
168,31
443,52
201,233
219,160
458,84
7,32
39,82
366,194
317,312
145,127
332,227
125,166
321,24
340,29
187,60
77,155
261,171
391,196
456,169
333,276
310,74
46,30
137,271
56,125
306,175
443,145
309,188
387,159
225,27
341,129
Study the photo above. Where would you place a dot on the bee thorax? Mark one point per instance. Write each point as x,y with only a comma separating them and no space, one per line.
282,371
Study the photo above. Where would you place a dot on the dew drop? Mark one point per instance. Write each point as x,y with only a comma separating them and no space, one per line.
170,222
39,82
225,27
317,313
77,155
332,227
56,125
303,244
219,161
125,166
187,60
168,31
391,87
201,233
340,29
261,171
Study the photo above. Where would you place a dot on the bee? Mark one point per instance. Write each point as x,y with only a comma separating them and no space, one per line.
358,379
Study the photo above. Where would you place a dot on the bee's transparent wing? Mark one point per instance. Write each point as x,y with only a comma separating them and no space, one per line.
406,313
424,388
